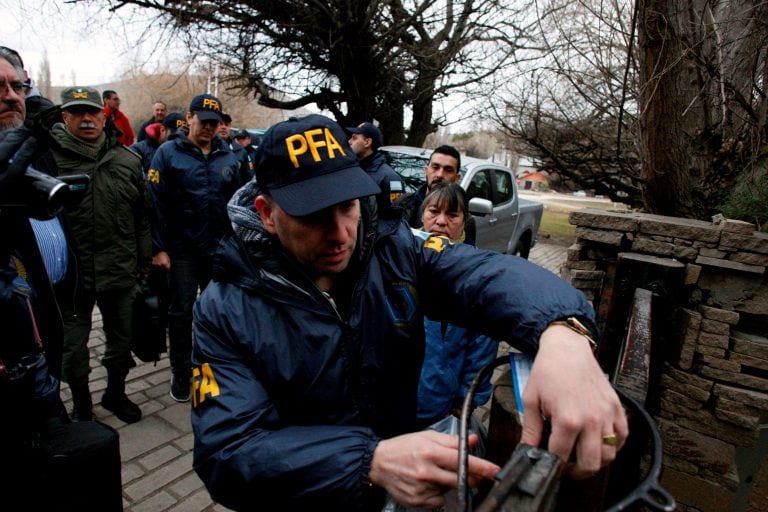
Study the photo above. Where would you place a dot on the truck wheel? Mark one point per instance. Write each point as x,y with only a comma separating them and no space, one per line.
522,249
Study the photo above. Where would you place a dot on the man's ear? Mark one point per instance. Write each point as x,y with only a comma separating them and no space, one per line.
266,211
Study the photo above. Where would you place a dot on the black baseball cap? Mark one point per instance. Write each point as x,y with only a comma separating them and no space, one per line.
243,134
369,131
206,107
306,165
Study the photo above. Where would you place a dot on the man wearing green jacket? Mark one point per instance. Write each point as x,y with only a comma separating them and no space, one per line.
111,243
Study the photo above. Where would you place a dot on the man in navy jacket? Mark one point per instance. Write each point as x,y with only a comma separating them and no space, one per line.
191,179
309,341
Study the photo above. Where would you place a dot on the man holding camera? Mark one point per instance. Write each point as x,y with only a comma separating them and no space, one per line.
43,449
111,243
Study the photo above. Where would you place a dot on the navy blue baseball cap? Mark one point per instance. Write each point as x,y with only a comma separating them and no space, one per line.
174,121
306,165
369,131
206,107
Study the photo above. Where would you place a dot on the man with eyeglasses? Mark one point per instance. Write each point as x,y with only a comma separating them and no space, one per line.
46,451
12,90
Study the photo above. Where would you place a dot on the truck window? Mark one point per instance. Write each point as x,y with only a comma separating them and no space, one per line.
504,189
480,186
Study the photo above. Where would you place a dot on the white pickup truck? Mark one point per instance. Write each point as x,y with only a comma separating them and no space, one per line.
505,222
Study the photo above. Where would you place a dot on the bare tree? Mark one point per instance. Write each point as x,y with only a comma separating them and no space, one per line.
703,69
44,77
358,60
572,105
669,117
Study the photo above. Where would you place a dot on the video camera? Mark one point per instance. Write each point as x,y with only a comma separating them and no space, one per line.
21,185
44,196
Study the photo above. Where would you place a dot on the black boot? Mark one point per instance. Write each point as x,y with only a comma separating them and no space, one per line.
82,408
115,400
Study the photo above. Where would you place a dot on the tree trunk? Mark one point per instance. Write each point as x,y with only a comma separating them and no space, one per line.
665,149
421,122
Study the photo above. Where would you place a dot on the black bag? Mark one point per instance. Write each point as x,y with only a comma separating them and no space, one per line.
150,317
83,467
70,467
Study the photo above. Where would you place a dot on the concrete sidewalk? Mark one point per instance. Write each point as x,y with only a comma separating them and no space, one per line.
156,452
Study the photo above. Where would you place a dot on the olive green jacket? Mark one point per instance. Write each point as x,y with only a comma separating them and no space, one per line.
109,228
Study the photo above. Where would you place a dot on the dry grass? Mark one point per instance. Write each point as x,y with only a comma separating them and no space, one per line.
554,221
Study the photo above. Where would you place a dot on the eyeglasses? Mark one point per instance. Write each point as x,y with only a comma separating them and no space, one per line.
17,86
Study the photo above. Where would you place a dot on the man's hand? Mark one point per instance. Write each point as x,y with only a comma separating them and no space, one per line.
418,469
161,260
568,387
17,150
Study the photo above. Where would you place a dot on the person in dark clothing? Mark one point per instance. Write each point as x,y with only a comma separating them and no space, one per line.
50,458
453,354
225,132
444,165
310,337
27,238
191,179
111,244
365,141
243,138
159,113
146,148
173,124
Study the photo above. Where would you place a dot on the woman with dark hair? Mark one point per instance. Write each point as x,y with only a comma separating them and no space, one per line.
453,355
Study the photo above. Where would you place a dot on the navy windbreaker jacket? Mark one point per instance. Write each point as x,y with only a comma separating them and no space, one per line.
291,395
386,178
190,193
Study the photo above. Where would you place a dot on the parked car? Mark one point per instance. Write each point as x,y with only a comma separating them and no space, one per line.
505,222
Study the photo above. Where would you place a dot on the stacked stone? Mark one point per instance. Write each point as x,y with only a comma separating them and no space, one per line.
714,385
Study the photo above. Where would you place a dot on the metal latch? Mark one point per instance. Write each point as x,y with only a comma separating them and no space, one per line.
528,482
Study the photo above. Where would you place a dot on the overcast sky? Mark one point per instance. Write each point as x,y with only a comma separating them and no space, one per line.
85,45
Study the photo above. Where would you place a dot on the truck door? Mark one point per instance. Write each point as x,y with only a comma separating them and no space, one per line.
497,185
505,207
479,185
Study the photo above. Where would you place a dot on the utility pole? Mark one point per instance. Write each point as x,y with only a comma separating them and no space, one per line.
216,81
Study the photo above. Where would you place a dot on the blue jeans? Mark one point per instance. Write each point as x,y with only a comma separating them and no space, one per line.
188,274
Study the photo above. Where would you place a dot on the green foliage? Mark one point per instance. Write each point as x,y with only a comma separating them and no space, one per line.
749,199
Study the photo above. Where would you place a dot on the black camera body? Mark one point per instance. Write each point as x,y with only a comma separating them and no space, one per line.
44,196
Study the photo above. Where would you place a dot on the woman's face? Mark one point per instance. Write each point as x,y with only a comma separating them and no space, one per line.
439,221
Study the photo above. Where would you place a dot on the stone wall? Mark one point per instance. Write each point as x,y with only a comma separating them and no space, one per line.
711,395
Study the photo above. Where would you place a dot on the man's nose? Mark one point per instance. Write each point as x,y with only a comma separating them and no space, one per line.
336,227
